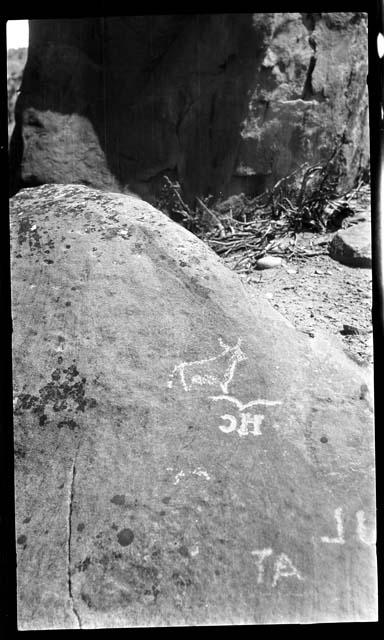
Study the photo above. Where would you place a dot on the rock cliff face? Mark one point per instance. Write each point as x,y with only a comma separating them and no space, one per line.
182,456
16,59
226,103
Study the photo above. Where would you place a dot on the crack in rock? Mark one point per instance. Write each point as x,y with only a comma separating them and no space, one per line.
70,508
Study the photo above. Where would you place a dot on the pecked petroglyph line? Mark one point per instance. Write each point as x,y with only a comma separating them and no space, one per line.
241,406
207,371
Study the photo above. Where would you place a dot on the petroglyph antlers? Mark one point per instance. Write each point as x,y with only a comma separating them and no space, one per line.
215,371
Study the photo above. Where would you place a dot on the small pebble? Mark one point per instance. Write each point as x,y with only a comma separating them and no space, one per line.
268,262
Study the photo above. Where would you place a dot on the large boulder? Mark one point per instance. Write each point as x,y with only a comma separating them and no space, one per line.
182,456
352,246
225,103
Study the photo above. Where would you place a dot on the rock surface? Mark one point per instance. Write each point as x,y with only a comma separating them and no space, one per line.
16,59
182,456
352,246
225,103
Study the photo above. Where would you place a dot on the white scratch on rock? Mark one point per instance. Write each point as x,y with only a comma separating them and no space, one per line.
201,472
178,476
194,550
252,420
361,528
284,568
261,555
339,539
241,406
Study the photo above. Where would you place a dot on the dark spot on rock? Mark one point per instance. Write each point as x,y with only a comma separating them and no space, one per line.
166,500
183,551
118,499
155,591
217,572
42,420
72,372
18,255
85,597
104,560
22,539
125,537
56,374
180,580
323,439
25,401
162,513
61,486
364,391
73,288
82,566
26,520
48,261
68,246
190,426
182,263
60,360
114,526
81,526
67,304
60,406
19,451
68,423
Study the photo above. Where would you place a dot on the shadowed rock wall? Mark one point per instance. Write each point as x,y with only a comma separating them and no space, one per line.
226,103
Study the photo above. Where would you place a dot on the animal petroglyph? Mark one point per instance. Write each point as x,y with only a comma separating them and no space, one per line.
216,371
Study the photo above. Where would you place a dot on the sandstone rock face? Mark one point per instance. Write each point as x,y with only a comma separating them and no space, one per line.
352,246
225,103
182,457
310,95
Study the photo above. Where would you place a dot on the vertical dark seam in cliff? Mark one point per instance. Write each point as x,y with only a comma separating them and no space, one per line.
69,532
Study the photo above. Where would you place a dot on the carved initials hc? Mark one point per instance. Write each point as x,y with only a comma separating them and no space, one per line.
247,420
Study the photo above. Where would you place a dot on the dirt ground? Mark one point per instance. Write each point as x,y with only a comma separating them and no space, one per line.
316,293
